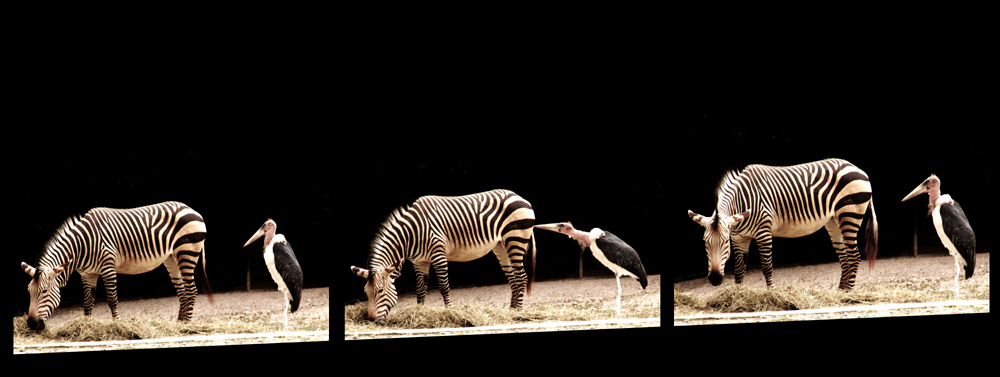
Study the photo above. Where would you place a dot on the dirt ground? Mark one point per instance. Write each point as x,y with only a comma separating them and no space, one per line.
933,274
886,271
545,292
593,296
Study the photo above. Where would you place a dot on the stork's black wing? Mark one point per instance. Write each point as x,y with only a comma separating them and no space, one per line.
620,253
956,227
291,272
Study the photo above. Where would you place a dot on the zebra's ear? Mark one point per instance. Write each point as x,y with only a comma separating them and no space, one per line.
28,269
61,267
390,272
700,219
360,271
740,216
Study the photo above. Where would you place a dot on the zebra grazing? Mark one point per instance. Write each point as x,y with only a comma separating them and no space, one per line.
761,202
437,229
106,242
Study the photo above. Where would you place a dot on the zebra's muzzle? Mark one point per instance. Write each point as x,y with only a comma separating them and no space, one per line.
36,324
715,277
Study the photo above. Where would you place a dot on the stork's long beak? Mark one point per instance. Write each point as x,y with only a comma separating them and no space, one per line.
554,227
922,188
260,232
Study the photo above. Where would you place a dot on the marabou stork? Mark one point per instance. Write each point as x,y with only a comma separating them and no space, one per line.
282,264
952,226
610,250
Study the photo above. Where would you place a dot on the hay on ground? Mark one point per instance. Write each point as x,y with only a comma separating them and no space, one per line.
740,299
90,328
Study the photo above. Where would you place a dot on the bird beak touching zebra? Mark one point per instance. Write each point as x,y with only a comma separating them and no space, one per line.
608,249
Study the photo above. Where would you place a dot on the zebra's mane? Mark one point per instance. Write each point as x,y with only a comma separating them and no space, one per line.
62,232
727,187
727,183
385,234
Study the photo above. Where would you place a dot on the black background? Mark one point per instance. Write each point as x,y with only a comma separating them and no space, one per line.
619,133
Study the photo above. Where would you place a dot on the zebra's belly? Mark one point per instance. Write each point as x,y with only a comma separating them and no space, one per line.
797,229
465,253
129,266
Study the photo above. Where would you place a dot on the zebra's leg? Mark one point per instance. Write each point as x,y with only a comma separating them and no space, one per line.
766,263
89,285
847,254
517,281
186,292
440,263
740,246
110,277
421,268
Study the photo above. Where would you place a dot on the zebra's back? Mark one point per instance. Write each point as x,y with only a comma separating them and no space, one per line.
475,220
143,237
807,194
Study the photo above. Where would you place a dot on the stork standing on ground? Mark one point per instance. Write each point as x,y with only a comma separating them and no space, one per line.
610,250
952,226
281,262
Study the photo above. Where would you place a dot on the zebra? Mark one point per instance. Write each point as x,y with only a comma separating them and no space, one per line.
435,230
106,242
762,202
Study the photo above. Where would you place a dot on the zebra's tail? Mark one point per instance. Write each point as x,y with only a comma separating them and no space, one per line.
871,233
202,276
529,260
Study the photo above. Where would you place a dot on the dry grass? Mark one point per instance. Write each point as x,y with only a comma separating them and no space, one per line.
476,315
896,281
742,298
90,328
564,300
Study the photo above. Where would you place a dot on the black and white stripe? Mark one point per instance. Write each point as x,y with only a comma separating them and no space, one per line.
106,242
761,202
435,230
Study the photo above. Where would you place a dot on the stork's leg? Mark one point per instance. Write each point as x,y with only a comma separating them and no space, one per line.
285,312
958,271
619,300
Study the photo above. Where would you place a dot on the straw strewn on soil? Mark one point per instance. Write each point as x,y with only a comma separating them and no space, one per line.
898,280
232,313
552,301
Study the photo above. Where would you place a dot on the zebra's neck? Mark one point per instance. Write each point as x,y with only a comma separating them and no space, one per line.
64,246
393,243
731,194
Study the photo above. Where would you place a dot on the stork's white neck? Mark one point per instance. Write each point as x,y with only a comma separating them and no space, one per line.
581,237
585,239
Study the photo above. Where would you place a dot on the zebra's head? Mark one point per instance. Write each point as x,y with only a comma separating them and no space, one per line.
380,289
44,292
718,230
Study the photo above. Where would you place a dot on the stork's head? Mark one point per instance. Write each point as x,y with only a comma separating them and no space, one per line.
380,288
931,185
44,292
718,230
581,237
267,230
